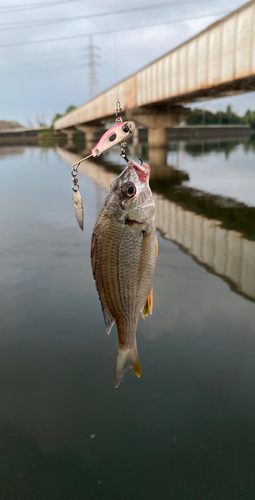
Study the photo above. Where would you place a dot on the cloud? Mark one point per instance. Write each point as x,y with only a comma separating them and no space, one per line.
47,77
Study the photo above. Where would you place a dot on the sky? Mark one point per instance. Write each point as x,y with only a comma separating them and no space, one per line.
43,44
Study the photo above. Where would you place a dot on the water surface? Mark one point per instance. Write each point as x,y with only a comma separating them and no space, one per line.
185,429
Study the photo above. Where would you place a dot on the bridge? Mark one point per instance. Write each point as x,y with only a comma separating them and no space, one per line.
228,253
218,61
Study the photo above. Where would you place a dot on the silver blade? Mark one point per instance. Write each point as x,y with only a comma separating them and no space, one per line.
78,208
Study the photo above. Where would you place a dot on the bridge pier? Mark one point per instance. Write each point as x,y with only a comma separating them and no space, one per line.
157,119
158,162
157,138
69,132
134,147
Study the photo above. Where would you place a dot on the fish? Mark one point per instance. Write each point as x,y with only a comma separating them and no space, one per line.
123,256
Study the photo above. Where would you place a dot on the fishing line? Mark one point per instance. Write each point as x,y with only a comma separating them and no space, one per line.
115,135
115,56
6,9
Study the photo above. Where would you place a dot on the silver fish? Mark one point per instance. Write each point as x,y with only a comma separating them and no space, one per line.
123,256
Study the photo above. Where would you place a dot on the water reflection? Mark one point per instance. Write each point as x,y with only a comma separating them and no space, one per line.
193,407
11,150
197,149
217,232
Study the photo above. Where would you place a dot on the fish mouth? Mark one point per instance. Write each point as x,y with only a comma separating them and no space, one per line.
143,171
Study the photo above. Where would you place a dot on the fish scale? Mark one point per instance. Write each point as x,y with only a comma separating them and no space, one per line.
123,255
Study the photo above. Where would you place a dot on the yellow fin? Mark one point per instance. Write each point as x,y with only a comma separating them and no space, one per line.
156,245
148,306
145,309
150,300
137,368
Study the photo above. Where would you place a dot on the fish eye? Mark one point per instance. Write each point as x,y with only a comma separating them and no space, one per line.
129,189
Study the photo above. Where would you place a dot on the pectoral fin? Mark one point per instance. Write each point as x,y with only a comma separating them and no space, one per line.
109,321
156,245
148,306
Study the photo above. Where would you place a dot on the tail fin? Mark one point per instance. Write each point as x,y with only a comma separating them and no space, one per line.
127,358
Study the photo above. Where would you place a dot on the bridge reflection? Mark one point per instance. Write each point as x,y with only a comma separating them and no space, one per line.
219,234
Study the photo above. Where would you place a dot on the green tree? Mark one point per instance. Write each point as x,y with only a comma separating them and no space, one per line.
56,117
70,108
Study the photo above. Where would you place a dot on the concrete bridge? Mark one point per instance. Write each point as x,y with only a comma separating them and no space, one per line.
226,253
218,61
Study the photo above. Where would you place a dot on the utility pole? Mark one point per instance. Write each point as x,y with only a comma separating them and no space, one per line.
92,63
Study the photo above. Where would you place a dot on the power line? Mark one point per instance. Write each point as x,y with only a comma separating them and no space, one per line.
42,56
58,68
42,68
29,6
42,22
68,65
69,55
173,21
22,64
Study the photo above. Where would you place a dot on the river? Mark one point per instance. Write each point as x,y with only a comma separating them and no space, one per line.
184,430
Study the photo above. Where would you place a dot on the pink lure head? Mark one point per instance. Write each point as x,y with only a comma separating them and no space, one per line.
143,170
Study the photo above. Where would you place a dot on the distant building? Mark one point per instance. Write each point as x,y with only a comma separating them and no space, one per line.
4,125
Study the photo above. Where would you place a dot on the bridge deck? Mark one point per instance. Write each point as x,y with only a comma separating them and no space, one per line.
219,60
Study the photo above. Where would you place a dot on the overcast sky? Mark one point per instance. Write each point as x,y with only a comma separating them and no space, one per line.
41,79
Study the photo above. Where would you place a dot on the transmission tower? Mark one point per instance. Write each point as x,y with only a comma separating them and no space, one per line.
92,57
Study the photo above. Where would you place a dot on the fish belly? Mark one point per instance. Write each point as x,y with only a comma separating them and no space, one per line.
123,261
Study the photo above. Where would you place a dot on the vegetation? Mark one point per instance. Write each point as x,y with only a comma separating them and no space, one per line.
228,117
49,137
58,115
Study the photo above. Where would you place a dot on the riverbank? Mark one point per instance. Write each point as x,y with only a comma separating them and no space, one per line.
28,135
184,133
202,132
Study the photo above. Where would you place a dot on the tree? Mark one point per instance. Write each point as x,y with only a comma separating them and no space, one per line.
56,117
70,108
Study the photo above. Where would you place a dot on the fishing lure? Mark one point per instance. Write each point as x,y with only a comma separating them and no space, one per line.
118,134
